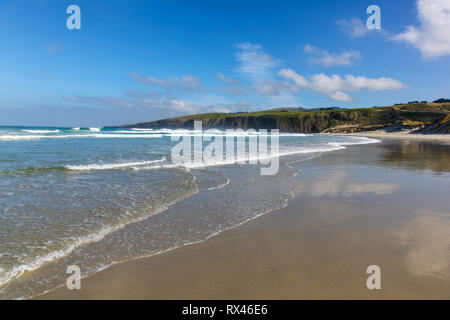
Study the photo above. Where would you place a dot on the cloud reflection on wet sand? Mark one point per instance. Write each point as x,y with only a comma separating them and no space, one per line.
428,240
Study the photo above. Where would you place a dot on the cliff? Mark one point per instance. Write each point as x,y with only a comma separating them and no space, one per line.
420,117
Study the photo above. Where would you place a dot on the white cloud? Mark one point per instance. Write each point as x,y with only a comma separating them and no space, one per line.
432,37
354,27
335,85
175,106
179,95
220,109
341,96
359,83
230,107
186,82
327,59
274,88
179,105
337,183
254,62
294,76
326,84
167,104
260,69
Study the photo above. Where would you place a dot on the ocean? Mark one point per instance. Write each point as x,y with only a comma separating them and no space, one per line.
95,197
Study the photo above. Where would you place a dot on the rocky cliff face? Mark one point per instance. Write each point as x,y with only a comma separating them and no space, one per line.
439,126
422,117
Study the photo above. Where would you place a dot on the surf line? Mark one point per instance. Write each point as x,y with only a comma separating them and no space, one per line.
213,154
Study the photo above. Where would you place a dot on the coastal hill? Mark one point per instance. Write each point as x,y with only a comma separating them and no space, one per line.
418,117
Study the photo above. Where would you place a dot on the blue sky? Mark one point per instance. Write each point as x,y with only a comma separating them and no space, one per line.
135,61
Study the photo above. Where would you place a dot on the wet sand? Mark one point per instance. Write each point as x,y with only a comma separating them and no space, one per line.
381,204
442,138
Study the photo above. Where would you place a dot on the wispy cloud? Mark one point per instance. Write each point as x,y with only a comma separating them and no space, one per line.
340,184
154,101
326,59
258,76
150,94
260,69
254,63
180,95
355,28
230,107
233,86
335,85
168,104
432,37
186,82
274,87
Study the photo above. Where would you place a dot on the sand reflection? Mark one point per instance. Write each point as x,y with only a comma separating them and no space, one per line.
428,240
338,183
417,155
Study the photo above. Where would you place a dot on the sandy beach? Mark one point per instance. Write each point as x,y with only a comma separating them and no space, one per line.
382,204
225,150
443,138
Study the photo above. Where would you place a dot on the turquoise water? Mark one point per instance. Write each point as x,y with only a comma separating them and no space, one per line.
96,197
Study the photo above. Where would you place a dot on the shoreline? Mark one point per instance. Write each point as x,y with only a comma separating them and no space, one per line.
56,270
442,138
287,253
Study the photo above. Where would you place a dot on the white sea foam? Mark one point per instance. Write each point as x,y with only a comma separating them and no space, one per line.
39,131
220,186
98,135
362,140
39,261
94,129
109,166
211,132
20,137
197,165
229,134
134,132
332,146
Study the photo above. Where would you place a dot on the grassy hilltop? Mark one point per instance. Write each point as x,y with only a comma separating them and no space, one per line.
433,117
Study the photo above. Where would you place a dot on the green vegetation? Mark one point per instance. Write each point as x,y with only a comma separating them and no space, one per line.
422,117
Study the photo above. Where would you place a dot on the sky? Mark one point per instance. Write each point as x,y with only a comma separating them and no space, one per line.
135,60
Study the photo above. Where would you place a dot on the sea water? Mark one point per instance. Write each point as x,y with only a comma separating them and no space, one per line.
95,197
